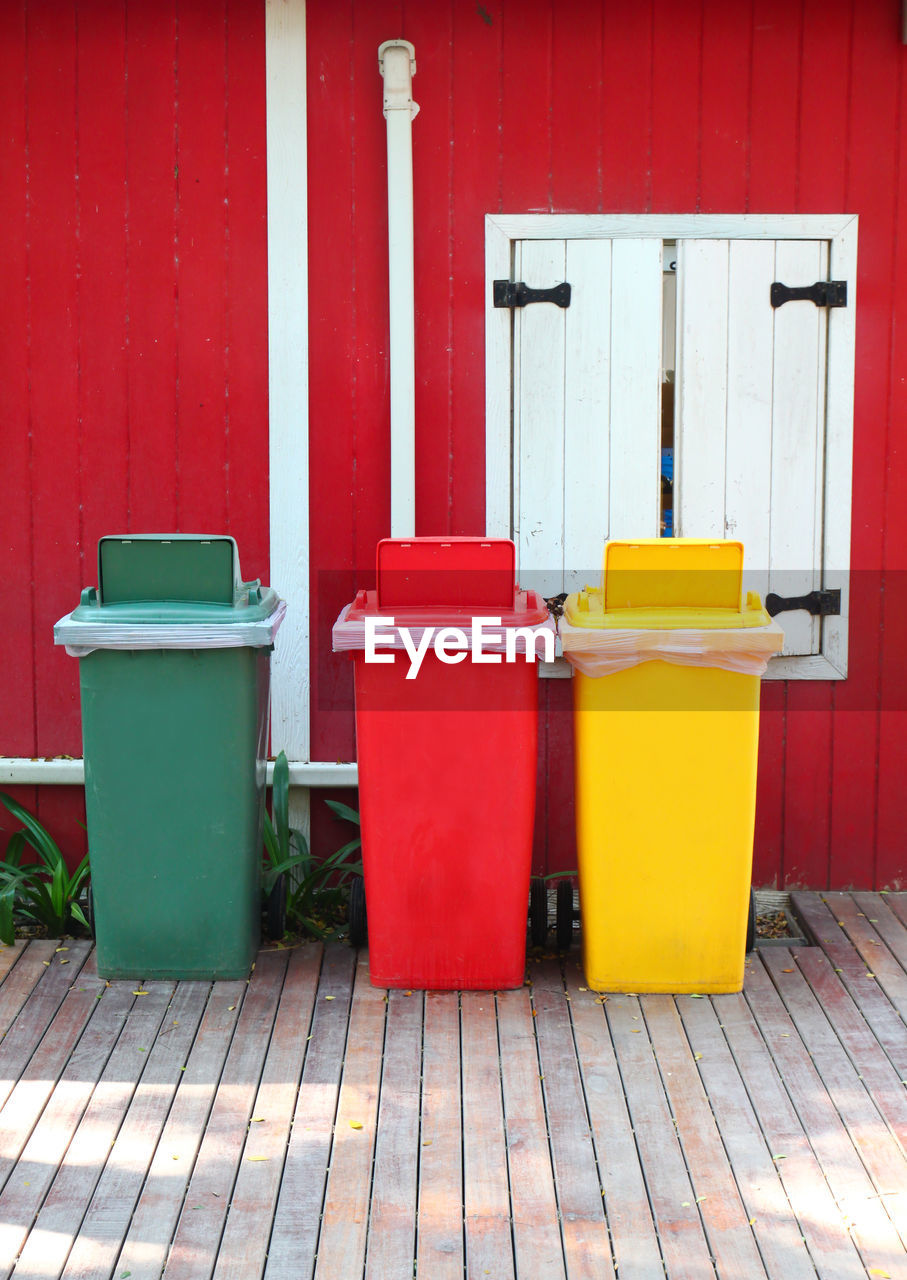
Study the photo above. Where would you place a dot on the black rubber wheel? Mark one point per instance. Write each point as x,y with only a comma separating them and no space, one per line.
358,918
276,910
751,925
564,918
538,912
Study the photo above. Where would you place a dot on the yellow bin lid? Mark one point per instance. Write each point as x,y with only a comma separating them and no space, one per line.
669,583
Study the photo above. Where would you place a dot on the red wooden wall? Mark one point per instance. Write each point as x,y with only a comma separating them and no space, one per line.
584,106
133,324
133,343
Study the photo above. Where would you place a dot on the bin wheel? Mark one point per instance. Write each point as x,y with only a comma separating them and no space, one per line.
751,924
538,912
358,920
565,914
277,908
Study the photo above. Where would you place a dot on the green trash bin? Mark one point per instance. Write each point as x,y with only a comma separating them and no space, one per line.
174,663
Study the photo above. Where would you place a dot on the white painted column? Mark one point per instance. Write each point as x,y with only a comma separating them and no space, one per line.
285,56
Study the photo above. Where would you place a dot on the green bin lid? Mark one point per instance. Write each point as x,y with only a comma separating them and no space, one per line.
172,578
172,566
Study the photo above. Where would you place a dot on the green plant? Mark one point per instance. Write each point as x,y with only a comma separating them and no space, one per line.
317,888
43,891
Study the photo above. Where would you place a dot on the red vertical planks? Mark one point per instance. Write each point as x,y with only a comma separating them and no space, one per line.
54,259
823,116
17,709
576,108
628,88
332,366
768,844
430,31
475,178
869,782
525,156
104,305
724,108
879,184
246,301
774,132
676,106
201,267
371,405
151,174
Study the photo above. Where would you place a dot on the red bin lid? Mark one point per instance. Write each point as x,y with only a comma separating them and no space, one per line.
454,573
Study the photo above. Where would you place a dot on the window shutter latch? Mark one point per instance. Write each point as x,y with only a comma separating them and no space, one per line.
510,294
824,293
822,604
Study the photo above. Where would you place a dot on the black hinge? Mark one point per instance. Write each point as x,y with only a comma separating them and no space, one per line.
822,604
510,294
824,293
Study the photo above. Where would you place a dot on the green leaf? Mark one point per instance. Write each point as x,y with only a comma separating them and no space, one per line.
343,811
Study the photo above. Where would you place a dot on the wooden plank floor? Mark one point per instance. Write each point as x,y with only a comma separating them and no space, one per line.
306,1124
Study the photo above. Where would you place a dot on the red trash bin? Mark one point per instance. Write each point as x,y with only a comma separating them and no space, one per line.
447,760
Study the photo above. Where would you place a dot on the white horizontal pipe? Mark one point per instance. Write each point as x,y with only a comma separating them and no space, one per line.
62,771
396,62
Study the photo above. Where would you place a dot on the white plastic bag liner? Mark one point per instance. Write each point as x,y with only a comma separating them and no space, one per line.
602,651
350,634
81,638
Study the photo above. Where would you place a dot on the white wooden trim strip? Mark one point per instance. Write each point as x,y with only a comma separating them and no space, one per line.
744,226
750,354
285,55
21,771
635,470
702,334
540,338
798,442
587,411
839,442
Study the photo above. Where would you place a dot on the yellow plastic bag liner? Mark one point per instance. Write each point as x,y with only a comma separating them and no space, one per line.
676,601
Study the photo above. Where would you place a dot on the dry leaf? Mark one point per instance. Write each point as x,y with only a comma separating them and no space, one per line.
355,1124
256,1157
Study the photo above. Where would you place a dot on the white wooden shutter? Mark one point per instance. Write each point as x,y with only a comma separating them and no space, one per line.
751,406
586,406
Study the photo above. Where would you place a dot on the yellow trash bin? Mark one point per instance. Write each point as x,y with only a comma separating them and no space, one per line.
668,659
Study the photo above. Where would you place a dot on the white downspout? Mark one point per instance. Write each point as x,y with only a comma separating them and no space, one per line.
397,64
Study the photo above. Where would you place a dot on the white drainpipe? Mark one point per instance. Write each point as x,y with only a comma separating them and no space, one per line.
397,64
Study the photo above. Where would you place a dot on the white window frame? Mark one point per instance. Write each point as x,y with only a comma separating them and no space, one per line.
840,230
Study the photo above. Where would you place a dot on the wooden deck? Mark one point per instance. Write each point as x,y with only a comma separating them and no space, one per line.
306,1123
